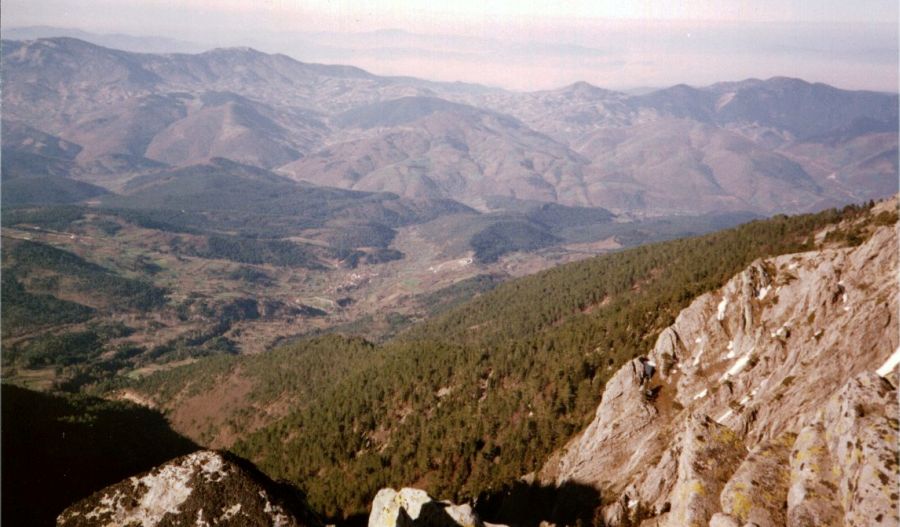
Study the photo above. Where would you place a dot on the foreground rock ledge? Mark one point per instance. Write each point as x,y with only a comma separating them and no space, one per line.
204,488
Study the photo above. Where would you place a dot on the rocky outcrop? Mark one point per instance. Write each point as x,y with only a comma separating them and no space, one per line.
860,424
710,453
414,508
757,491
812,497
205,488
772,402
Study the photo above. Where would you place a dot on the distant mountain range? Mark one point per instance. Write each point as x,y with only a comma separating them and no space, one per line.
139,44
102,116
356,281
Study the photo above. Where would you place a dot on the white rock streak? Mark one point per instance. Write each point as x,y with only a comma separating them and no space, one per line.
724,416
737,367
731,351
889,364
720,310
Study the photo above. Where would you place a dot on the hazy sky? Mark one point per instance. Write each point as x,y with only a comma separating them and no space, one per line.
522,44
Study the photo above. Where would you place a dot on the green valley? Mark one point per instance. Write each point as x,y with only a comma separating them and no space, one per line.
464,403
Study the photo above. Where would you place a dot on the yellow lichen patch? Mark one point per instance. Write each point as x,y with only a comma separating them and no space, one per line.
836,471
784,476
688,491
787,439
695,487
740,505
809,453
725,435
806,435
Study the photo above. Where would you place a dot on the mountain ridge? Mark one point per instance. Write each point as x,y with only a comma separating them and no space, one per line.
275,112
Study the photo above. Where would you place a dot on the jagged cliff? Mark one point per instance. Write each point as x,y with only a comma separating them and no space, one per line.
772,401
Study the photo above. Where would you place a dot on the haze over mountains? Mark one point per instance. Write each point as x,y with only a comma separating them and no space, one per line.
780,145
357,282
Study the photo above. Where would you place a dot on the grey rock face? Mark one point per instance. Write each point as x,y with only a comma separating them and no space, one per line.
774,402
861,428
758,489
710,454
812,498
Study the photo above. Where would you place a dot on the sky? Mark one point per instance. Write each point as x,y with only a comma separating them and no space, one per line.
525,44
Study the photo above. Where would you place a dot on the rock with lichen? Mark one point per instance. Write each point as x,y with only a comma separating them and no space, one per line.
844,468
861,432
204,488
757,491
813,494
414,508
797,359
710,453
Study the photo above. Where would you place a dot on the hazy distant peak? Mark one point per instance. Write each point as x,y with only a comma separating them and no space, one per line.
339,125
400,111
71,46
135,43
67,59
234,50
249,53
681,88
67,45
787,81
678,92
57,42
779,82
729,86
581,85
586,88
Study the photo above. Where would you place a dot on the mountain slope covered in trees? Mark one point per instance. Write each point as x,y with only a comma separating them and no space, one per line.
466,403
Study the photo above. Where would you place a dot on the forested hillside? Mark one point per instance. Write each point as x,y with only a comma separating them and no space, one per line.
466,403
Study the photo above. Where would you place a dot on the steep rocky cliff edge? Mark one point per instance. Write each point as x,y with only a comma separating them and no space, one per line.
772,401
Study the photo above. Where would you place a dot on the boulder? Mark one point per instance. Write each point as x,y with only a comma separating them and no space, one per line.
203,488
415,508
